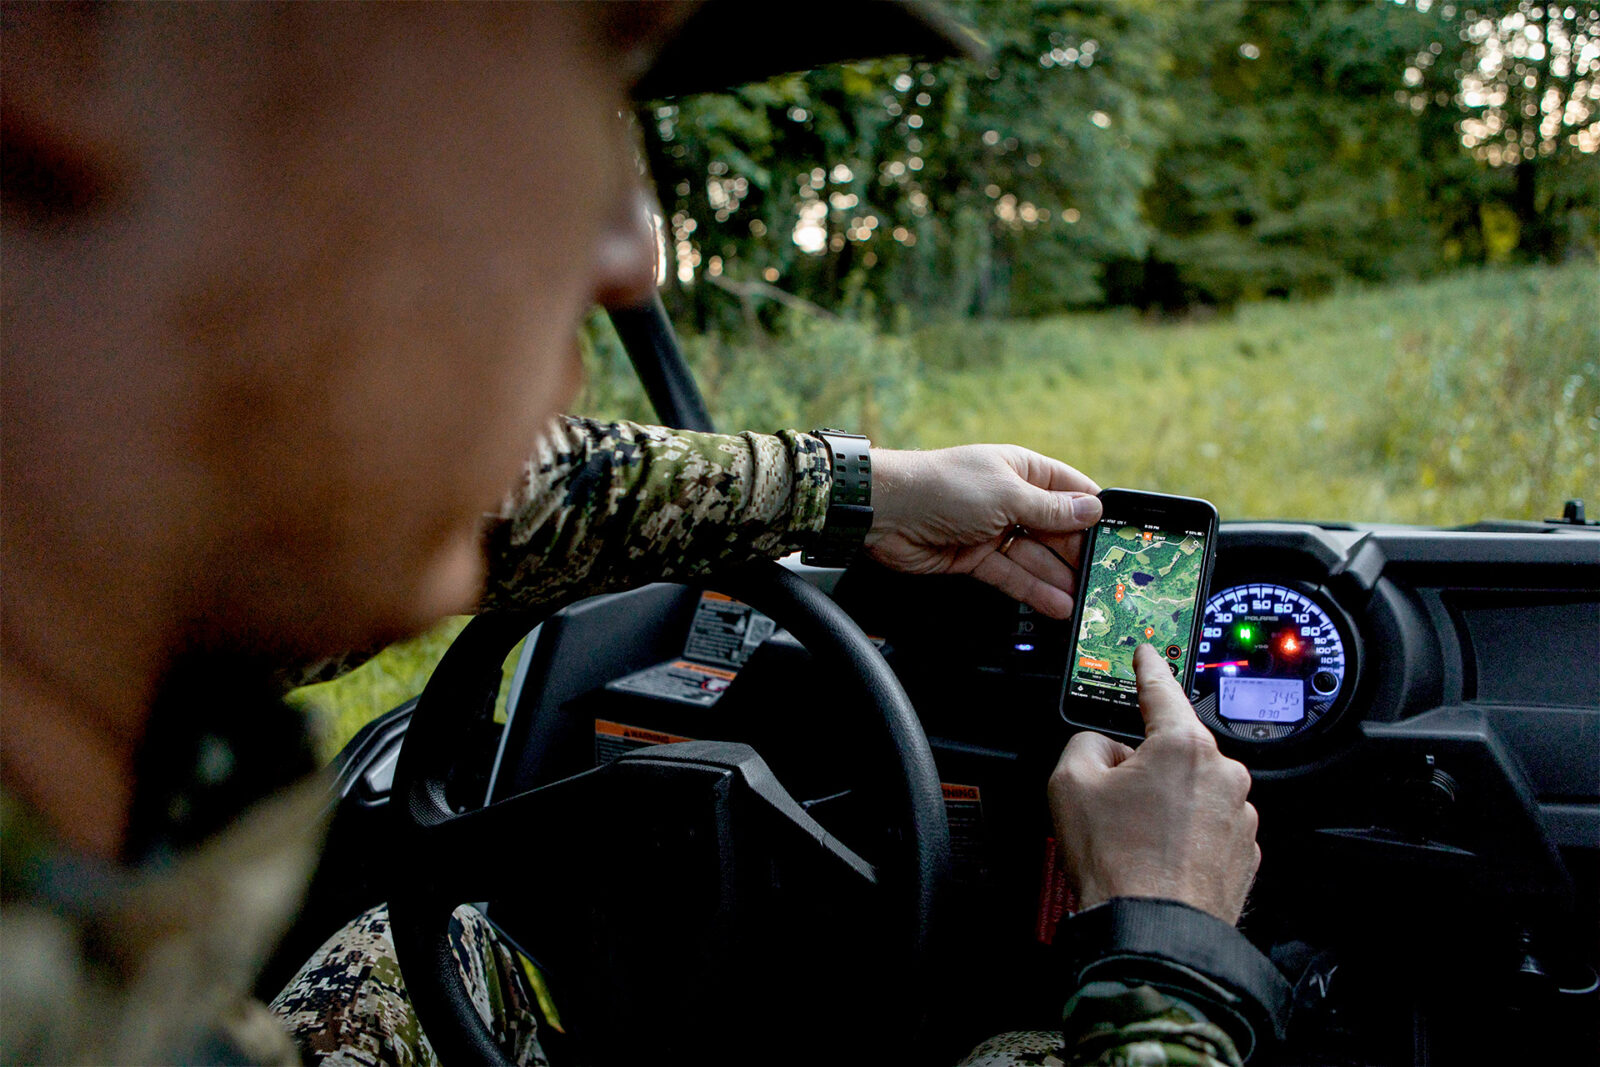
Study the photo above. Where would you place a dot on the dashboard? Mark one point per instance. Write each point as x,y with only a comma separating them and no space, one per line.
1419,708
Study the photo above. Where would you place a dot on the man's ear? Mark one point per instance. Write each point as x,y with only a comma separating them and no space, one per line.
57,164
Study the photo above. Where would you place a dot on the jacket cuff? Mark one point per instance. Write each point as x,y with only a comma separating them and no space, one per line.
1188,953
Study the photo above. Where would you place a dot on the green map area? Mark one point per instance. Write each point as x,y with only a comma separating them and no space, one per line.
1138,591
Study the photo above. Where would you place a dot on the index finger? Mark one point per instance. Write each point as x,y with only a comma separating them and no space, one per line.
1162,702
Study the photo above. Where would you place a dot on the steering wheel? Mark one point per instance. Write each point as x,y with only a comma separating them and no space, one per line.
733,803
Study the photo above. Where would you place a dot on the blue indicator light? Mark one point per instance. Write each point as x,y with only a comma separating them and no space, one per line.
1230,669
1023,646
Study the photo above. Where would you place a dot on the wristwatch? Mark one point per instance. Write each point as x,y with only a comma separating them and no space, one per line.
849,504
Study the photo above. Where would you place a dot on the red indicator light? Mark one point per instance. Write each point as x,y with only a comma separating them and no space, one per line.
1290,645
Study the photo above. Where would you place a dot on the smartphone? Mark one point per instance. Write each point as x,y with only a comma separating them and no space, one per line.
1146,568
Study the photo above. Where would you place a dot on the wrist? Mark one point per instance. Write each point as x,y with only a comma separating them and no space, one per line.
893,477
1159,886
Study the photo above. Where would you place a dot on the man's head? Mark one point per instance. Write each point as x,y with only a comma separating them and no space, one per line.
309,303
289,291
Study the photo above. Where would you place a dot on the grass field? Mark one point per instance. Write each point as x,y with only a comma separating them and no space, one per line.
1467,398
1474,396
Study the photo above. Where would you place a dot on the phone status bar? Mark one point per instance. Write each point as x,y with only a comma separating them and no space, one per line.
1155,528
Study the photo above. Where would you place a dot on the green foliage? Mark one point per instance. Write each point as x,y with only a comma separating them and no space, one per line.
1528,106
340,708
1468,397
1159,154
953,189
1295,166
610,384
815,370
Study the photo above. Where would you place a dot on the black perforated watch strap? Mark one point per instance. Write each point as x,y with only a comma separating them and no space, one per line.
849,503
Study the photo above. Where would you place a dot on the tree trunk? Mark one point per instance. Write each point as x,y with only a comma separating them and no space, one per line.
1533,235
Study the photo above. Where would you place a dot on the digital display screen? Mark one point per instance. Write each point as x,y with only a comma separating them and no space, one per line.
1261,699
1141,586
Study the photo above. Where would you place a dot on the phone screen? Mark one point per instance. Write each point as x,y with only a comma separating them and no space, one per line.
1142,583
1142,586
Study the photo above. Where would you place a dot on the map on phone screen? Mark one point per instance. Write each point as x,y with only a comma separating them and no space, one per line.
1141,585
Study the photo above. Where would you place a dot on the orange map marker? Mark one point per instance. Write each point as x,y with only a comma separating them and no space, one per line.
1149,631
1119,592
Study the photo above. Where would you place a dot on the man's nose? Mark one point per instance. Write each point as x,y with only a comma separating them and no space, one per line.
626,267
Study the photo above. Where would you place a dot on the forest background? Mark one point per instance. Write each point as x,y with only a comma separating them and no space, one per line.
1326,259
1149,153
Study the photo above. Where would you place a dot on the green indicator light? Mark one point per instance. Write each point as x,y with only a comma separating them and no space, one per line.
1244,634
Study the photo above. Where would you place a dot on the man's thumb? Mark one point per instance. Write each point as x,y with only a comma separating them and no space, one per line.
1051,511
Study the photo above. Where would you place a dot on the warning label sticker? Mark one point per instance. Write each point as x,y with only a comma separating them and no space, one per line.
963,807
726,632
677,680
612,739
1056,898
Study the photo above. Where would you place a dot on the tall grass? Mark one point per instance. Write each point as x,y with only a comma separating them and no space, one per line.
1475,396
1472,397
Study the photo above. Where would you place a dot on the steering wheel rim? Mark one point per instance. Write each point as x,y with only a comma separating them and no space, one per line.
420,906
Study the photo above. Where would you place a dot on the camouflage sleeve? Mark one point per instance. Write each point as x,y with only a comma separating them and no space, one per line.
1112,1024
606,506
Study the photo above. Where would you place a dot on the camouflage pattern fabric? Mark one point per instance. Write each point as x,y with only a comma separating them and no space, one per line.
606,506
348,1006
1021,1048
1110,1024
108,964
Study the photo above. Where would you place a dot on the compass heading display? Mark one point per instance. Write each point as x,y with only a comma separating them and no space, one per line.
1261,699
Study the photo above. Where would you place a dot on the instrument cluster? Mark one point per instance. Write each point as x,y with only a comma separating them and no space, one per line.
1275,660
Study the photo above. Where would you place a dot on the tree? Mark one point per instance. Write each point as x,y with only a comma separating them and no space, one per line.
930,186
1293,165
1155,153
1529,94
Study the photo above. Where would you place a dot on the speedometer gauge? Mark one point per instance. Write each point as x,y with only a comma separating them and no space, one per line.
1271,663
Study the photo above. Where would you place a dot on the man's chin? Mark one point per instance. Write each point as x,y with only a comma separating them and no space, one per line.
451,583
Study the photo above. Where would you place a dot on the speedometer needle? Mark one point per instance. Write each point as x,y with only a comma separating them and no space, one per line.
1233,663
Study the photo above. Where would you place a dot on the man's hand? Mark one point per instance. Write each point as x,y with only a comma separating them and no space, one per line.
949,511
1168,820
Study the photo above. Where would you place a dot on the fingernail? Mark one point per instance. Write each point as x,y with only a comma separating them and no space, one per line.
1086,509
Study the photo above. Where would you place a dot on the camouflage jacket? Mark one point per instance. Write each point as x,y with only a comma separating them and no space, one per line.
108,964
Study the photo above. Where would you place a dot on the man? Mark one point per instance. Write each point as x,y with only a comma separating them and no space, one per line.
289,295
